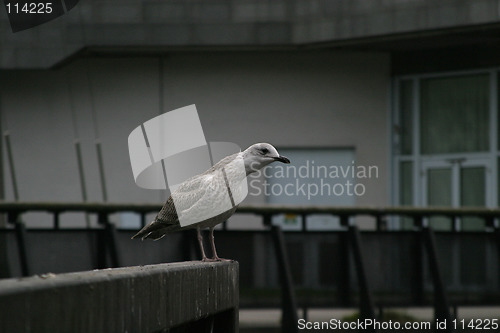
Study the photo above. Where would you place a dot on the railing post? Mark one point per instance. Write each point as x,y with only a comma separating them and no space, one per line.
454,223
101,249
107,242
344,288
366,307
143,219
20,229
56,220
497,235
288,301
112,245
188,243
381,222
441,305
417,274
304,222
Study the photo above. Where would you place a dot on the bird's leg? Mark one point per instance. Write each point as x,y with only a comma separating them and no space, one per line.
214,251
200,241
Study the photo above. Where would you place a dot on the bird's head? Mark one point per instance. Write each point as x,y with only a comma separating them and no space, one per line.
259,155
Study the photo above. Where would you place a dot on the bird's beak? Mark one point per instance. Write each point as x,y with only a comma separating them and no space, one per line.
282,159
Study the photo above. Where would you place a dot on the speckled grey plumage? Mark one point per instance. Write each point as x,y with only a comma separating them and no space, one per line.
167,221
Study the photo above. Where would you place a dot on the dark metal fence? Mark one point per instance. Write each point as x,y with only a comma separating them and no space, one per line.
371,269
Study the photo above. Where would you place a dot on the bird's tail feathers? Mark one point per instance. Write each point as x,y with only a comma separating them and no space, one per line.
152,230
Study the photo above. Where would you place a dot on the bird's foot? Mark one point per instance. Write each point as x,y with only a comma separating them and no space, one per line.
214,259
209,259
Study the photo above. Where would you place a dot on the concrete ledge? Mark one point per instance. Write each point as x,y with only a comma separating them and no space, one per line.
132,299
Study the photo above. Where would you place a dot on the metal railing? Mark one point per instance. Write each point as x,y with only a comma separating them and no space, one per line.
426,248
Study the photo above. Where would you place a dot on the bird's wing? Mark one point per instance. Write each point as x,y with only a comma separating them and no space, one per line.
185,196
167,218
195,198
207,198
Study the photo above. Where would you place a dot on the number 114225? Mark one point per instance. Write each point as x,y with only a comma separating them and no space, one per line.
29,8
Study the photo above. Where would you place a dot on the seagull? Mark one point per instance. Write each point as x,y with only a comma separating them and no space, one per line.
201,192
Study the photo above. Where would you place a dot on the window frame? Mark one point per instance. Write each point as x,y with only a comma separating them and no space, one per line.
418,159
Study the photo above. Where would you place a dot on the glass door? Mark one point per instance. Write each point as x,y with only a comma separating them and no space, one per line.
474,187
456,182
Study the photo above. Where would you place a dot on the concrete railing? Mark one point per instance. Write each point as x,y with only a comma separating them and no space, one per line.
187,296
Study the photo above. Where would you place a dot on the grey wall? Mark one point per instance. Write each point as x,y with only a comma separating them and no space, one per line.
310,99
145,25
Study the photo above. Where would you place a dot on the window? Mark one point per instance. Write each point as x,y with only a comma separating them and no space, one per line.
454,114
445,147
316,177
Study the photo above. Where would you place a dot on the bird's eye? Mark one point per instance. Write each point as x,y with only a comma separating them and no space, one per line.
264,151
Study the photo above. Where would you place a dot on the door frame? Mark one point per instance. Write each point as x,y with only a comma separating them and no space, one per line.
456,164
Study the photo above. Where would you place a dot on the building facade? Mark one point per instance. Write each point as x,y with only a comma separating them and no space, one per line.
408,87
